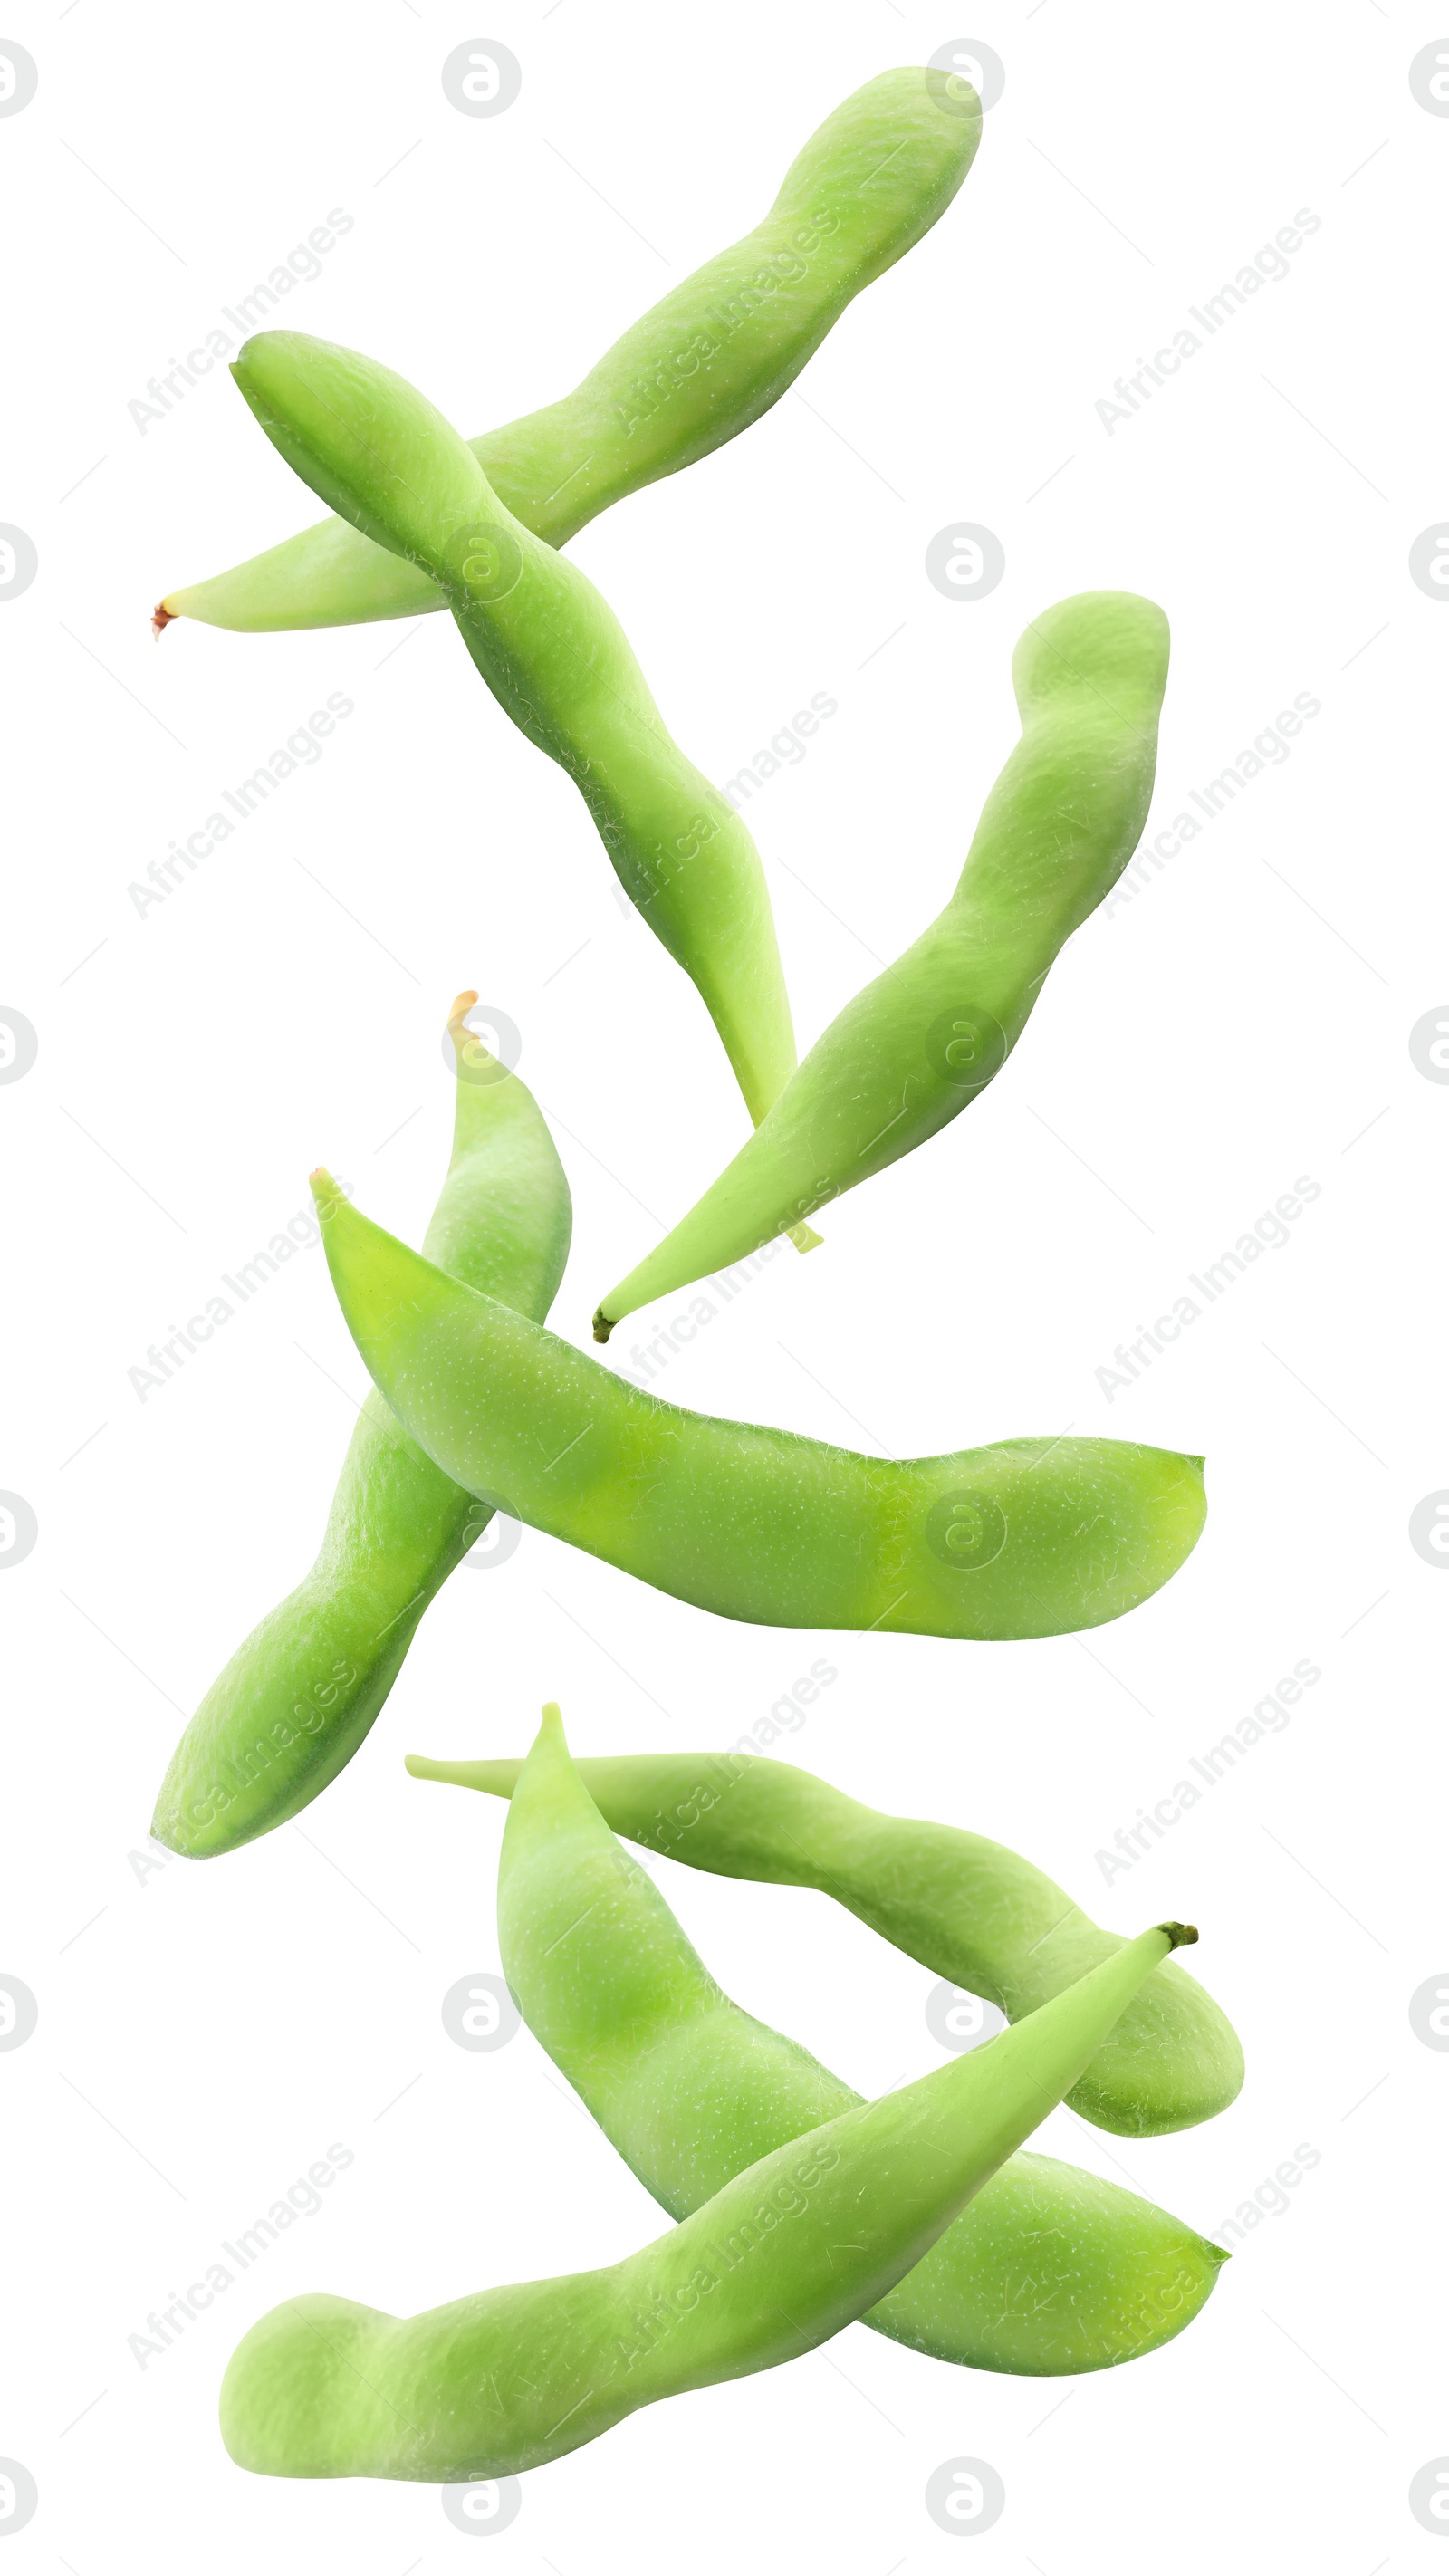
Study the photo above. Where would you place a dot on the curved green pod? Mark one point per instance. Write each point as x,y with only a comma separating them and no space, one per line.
782,2257
298,1696
557,660
693,372
970,1910
1030,1538
1048,2271
926,1037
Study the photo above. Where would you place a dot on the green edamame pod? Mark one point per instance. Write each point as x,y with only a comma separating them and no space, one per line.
298,1696
1031,1538
909,1053
691,374
786,2254
1048,2271
557,660
968,1909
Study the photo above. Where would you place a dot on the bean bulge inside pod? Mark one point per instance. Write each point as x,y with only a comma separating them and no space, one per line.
1028,1538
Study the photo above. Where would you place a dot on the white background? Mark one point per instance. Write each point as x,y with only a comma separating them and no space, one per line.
207,2031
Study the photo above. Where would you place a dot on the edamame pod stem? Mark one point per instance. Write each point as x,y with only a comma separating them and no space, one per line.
786,2254
298,1696
1047,2271
691,374
557,660
1031,1538
908,1054
970,1910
